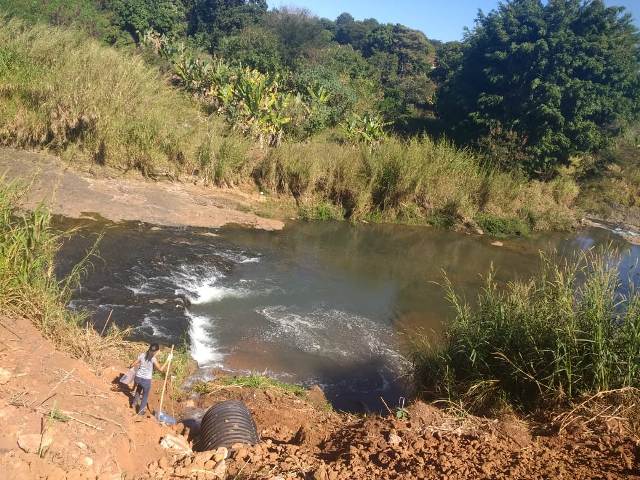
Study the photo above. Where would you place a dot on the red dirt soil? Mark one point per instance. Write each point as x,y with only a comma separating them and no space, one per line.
301,437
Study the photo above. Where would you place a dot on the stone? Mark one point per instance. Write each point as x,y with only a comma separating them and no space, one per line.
241,453
5,376
175,442
220,470
163,463
221,454
201,458
87,461
81,446
34,442
497,244
394,439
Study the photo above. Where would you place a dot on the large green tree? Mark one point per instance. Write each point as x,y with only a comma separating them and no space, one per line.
211,20
555,77
138,16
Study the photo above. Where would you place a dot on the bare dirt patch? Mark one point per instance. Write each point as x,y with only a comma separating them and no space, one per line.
119,197
304,440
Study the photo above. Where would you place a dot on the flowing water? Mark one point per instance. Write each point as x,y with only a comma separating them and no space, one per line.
316,303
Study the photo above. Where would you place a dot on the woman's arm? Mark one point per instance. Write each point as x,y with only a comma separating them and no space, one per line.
135,364
157,364
162,368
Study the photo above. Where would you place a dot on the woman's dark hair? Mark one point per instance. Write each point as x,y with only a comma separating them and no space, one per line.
153,348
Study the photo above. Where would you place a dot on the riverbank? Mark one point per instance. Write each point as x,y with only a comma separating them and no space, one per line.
89,433
83,191
61,418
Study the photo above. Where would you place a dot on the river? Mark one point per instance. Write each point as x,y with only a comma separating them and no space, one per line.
316,303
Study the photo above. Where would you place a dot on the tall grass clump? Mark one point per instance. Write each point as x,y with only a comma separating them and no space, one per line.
62,90
566,332
412,181
29,287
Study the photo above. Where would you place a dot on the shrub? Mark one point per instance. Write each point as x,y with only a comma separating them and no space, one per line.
29,287
503,227
569,331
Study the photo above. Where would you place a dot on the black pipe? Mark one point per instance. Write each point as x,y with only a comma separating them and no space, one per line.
225,424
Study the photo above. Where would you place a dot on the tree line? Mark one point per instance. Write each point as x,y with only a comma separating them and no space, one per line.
533,85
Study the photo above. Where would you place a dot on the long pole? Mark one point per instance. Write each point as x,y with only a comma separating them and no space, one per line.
104,327
164,385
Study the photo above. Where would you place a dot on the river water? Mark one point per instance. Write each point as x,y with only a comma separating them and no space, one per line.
316,303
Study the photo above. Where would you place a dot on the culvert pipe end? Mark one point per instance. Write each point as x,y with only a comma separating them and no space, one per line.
226,424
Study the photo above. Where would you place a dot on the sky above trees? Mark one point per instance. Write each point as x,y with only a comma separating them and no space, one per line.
439,19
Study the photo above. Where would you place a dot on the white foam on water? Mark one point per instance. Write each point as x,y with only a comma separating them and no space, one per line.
251,260
209,293
150,324
330,332
237,257
203,345
201,285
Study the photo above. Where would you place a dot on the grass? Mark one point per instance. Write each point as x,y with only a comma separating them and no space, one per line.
412,181
251,381
182,366
63,91
29,287
613,191
565,333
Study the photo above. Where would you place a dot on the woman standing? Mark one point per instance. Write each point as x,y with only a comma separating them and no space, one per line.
142,382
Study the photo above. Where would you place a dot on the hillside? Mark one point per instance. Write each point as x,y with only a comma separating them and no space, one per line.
84,430
104,107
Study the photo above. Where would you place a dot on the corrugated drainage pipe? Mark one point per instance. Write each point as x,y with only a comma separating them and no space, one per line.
225,424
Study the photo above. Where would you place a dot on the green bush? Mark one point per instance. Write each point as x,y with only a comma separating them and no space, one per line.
503,227
322,210
567,332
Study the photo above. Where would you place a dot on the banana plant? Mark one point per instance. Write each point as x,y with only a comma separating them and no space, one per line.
367,128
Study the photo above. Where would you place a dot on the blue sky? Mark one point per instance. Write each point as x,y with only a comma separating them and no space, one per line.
438,19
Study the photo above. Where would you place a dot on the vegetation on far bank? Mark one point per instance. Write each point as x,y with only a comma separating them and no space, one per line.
110,107
350,118
572,330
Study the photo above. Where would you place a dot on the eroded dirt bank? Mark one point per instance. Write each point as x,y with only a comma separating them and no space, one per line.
46,397
116,197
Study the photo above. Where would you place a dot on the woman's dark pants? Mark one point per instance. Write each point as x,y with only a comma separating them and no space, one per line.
142,386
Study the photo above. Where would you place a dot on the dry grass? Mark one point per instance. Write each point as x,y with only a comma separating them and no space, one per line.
413,181
62,90
30,289
613,192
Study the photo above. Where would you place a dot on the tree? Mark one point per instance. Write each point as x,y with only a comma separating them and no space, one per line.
253,47
558,77
138,16
354,33
211,20
299,33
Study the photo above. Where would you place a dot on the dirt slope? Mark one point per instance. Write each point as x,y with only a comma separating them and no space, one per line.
305,441
100,437
118,197
301,437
